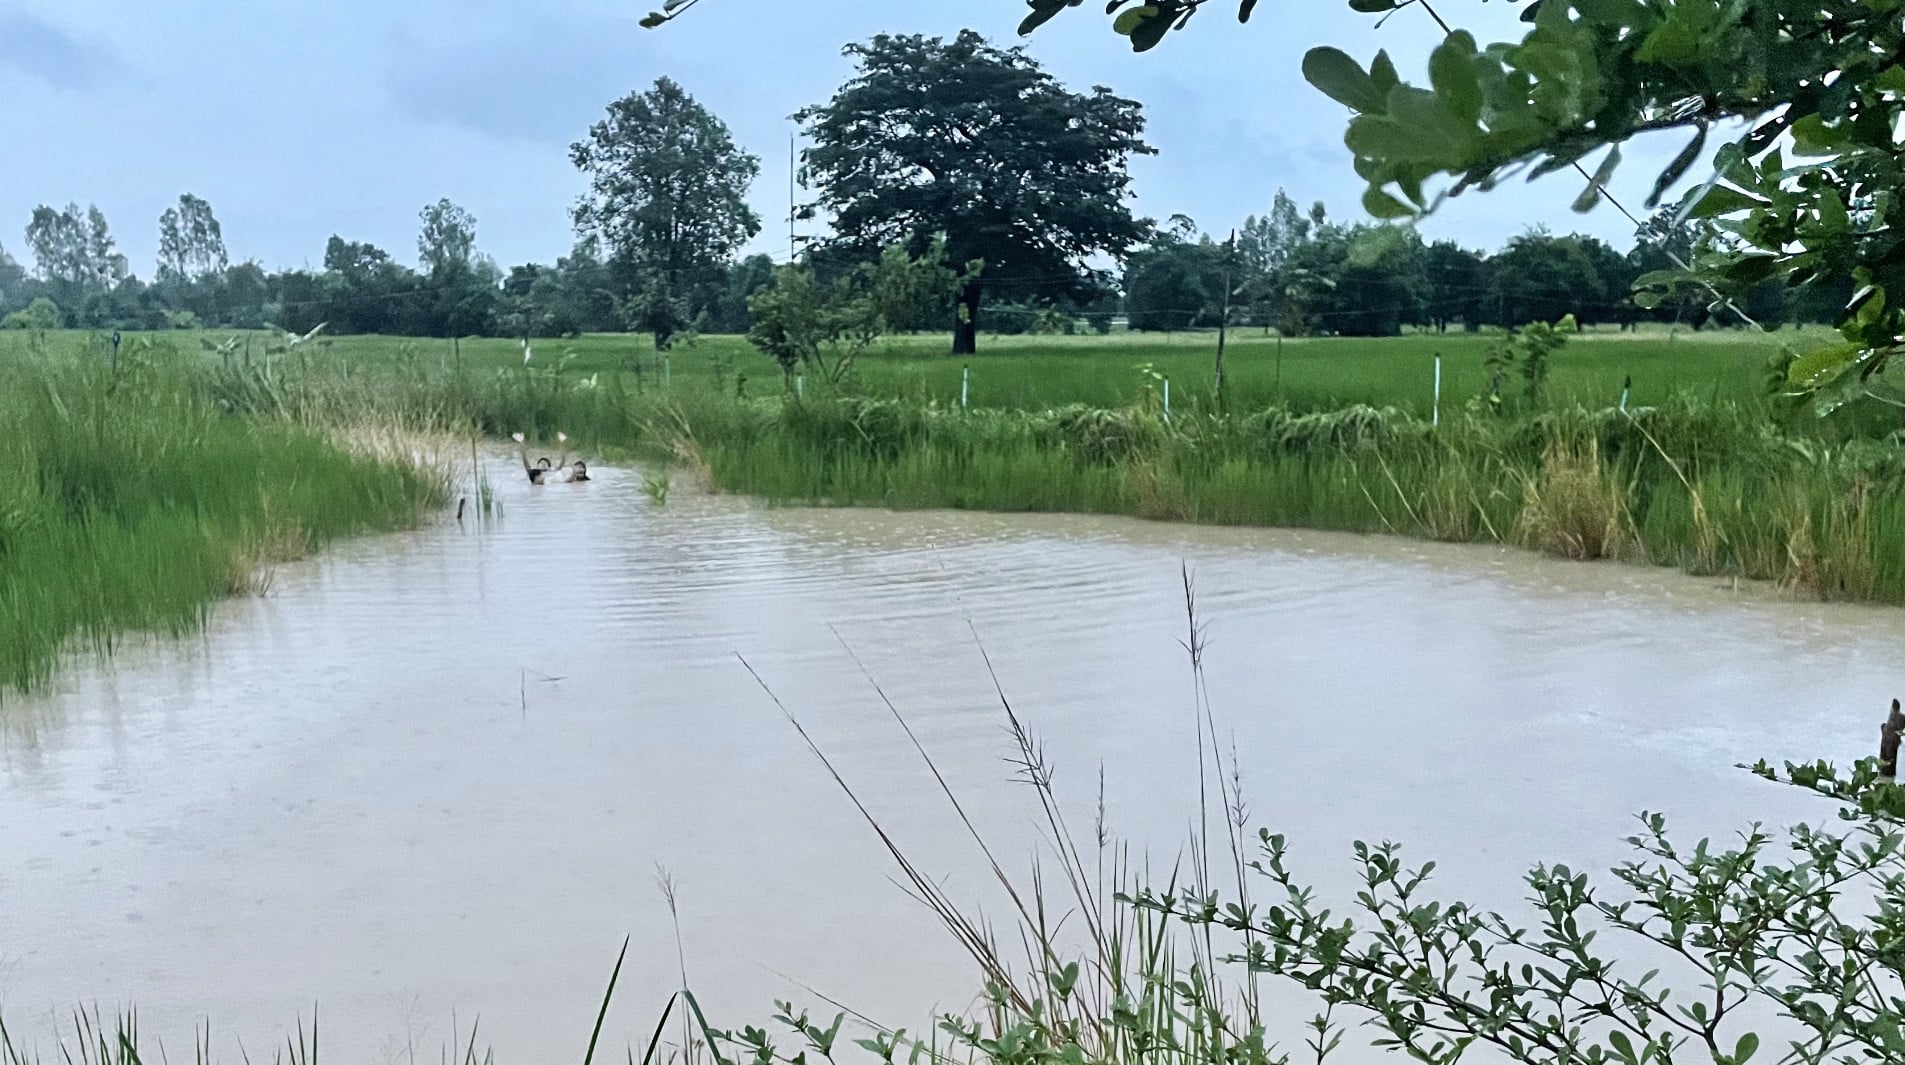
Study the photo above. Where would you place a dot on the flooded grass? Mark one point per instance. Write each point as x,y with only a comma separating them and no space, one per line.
134,504
1709,478
1703,487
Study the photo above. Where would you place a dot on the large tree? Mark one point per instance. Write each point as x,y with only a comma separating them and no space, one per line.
1266,246
351,256
1177,282
1659,242
1540,277
957,137
191,242
1457,278
446,244
667,198
12,277
74,248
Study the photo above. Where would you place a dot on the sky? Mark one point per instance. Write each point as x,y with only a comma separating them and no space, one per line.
300,120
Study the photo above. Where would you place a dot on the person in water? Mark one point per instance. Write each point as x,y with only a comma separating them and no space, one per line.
545,472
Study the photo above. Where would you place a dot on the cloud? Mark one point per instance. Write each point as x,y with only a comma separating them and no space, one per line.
540,81
52,55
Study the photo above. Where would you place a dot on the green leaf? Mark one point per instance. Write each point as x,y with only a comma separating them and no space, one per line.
1043,11
1342,79
1371,7
1621,13
1380,204
1129,21
1149,33
1673,43
1812,137
1452,72
1382,70
1816,368
1892,79
1750,269
1863,312
1724,199
1416,130
1678,168
1747,1045
1622,1046
1243,12
1832,212
1592,194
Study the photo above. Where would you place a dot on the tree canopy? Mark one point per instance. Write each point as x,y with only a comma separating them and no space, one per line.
1822,82
74,248
668,199
1303,273
447,241
191,242
979,143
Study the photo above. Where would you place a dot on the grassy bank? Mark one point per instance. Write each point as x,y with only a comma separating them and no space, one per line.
1709,476
134,503
1705,487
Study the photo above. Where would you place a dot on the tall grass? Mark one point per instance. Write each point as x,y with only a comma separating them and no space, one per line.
1706,487
1714,481
133,502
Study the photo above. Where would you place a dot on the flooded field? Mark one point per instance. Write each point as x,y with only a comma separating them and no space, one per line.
433,775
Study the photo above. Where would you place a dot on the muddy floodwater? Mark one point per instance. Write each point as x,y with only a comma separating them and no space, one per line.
432,776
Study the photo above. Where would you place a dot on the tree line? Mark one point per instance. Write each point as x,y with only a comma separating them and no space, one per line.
950,149
1303,274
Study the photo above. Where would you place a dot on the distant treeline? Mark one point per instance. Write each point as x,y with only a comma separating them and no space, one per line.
1300,273
1304,274
1021,189
79,280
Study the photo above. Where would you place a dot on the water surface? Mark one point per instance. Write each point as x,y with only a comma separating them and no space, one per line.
434,774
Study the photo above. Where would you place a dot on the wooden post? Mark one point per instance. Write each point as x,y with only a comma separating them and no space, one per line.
1889,734
1223,324
1435,411
1279,362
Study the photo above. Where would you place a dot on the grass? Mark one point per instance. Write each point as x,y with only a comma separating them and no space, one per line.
134,503
1031,372
1703,472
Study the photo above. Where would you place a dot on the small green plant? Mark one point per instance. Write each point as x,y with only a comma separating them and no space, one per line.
1150,387
1051,321
1526,354
655,486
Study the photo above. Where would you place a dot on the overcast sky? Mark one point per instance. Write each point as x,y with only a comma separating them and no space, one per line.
299,120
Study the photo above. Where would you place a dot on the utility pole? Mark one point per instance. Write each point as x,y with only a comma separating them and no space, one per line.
793,170
1223,323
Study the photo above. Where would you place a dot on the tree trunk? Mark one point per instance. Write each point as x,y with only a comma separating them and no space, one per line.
966,324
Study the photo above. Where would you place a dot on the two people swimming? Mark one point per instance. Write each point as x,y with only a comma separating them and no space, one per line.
545,472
